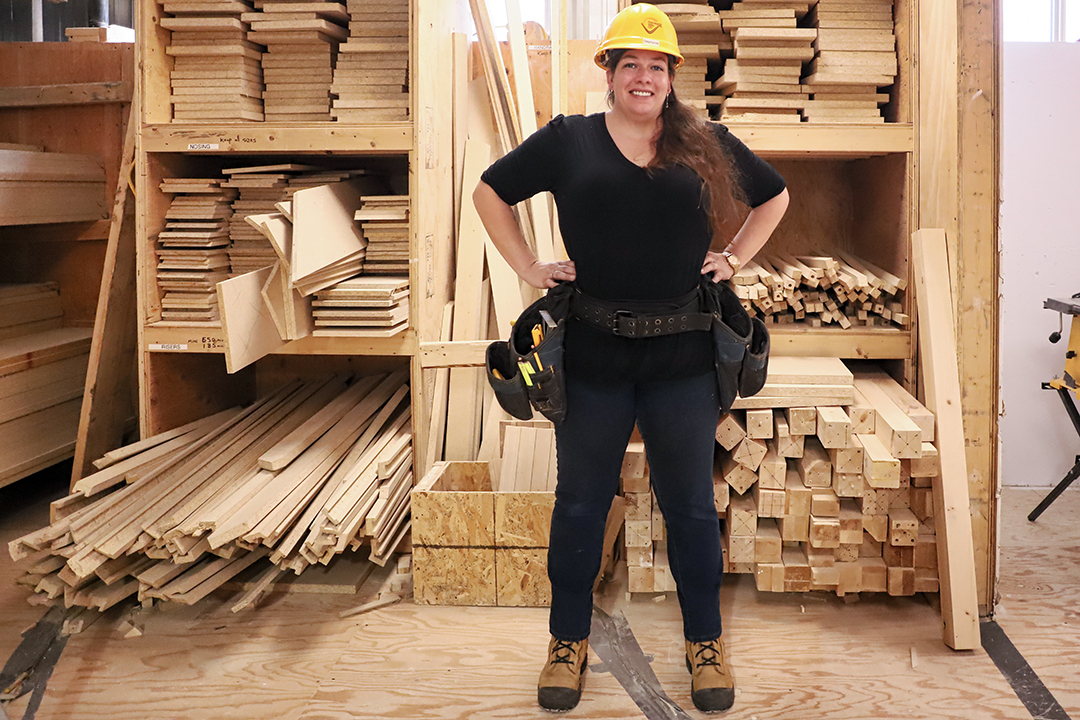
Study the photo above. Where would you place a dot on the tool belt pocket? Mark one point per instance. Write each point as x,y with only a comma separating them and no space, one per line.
506,380
755,366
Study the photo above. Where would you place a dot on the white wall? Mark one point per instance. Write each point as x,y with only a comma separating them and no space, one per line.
1040,254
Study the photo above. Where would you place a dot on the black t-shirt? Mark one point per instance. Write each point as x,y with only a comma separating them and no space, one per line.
634,236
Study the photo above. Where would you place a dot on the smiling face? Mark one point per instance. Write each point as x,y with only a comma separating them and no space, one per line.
640,83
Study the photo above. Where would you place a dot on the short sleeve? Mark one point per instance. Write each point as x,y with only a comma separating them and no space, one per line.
531,167
759,181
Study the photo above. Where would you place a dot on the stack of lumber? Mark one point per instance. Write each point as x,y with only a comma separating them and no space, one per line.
49,187
301,44
647,564
216,73
528,458
317,468
192,254
384,223
362,307
761,82
856,55
259,188
700,39
327,246
371,78
821,289
830,497
42,374
802,382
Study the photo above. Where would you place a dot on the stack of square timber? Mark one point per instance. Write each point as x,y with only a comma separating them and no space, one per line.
192,257
216,73
831,498
821,289
301,44
48,187
42,374
371,79
362,307
384,222
647,564
761,83
474,546
856,55
317,468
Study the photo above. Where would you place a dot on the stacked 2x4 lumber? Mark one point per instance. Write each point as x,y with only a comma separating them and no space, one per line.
855,56
831,497
42,374
216,75
301,40
192,254
50,187
362,307
371,77
821,289
315,469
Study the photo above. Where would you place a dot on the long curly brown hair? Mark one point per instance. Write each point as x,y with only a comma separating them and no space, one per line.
686,139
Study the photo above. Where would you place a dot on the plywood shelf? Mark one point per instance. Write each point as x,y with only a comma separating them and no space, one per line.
826,140
382,139
211,339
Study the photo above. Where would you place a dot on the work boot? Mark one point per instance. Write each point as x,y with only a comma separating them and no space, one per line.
712,687
561,679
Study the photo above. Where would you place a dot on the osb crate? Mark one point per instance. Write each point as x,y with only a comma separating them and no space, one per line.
473,546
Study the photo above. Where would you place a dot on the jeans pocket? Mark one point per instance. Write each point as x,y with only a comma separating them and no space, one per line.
507,381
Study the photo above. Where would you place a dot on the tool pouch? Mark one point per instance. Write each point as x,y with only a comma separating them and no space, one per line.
741,344
546,388
510,388
755,368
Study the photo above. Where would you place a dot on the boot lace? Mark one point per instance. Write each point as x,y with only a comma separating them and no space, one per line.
563,653
713,658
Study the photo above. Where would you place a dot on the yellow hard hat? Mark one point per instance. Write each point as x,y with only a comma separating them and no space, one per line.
640,27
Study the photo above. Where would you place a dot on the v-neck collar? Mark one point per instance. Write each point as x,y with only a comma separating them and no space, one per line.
615,145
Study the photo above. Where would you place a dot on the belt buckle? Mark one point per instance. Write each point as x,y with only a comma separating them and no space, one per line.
625,324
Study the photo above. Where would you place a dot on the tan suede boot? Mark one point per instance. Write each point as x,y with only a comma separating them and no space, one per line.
712,687
561,679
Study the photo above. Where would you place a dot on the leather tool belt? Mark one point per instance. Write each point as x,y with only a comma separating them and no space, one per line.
624,320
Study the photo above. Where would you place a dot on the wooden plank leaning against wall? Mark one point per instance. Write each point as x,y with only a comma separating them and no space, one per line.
957,134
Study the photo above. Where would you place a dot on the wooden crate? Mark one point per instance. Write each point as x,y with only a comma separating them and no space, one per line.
474,546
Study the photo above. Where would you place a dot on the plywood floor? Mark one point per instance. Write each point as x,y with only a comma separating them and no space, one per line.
794,656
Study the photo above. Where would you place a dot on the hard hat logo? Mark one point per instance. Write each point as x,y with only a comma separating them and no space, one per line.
640,27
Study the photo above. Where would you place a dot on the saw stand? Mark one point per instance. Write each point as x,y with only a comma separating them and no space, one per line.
1066,387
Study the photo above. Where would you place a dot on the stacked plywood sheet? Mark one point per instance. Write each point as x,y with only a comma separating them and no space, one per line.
48,187
216,73
42,373
856,55
192,254
301,41
831,498
821,289
384,222
761,82
317,468
371,78
362,307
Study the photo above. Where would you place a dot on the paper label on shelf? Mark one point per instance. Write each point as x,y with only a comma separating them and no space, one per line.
203,146
168,346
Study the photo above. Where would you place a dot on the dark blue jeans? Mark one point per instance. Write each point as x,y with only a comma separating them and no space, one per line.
677,420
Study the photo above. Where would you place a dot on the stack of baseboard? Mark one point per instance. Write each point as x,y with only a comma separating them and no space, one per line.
371,78
830,497
301,40
192,257
821,289
362,307
47,187
216,73
317,468
856,55
42,374
384,222
761,82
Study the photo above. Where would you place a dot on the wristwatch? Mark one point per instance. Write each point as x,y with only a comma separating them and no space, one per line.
732,260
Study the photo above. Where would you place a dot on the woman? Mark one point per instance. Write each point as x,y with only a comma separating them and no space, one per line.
642,192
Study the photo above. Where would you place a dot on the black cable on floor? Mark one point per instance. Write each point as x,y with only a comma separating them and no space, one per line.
1038,700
